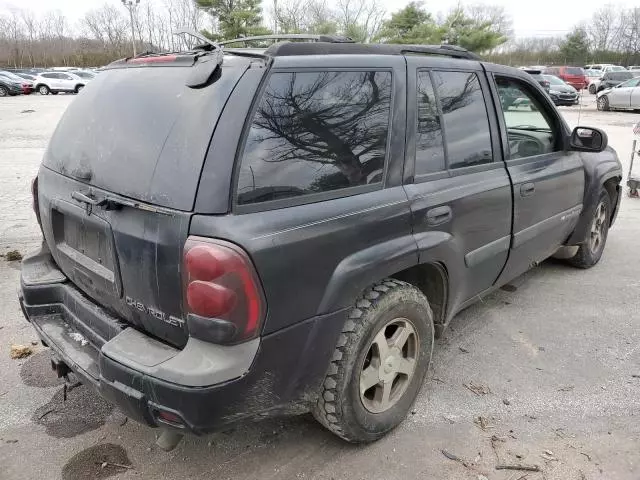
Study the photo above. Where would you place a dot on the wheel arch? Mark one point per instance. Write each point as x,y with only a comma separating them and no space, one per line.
401,259
599,174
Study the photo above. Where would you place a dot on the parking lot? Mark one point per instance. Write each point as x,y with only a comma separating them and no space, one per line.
555,352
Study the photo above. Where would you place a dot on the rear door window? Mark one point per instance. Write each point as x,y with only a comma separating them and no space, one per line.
429,144
316,132
466,122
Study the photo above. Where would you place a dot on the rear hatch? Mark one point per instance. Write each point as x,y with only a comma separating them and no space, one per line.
574,76
119,180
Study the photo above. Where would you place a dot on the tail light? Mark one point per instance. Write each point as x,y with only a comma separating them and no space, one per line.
222,292
35,202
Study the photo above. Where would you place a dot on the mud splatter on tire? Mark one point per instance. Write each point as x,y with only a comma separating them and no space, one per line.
36,372
83,411
89,463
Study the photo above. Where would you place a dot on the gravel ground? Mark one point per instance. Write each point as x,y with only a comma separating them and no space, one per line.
558,353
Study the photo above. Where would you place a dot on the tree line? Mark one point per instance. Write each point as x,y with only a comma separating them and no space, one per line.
104,34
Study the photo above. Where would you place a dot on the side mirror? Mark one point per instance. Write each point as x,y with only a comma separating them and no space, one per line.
587,139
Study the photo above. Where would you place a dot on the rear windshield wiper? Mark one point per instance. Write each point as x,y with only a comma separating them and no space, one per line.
108,202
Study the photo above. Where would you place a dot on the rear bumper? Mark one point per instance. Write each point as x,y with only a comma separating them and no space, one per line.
277,374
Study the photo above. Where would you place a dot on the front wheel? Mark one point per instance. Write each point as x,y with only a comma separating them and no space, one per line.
603,103
589,253
592,89
43,90
379,363
3,91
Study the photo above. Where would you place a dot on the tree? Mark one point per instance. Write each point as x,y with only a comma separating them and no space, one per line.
236,18
412,24
575,47
475,34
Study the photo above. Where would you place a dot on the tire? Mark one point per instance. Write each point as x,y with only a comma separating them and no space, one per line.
590,252
603,103
54,93
3,91
78,88
592,89
387,311
43,90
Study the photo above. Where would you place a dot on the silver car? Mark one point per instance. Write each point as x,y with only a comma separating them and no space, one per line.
625,96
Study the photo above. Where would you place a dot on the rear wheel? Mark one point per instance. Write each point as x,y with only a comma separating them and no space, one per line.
3,91
379,364
78,88
590,252
603,103
54,93
43,90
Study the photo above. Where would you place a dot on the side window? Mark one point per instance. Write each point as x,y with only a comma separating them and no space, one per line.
48,75
316,132
529,125
429,147
466,124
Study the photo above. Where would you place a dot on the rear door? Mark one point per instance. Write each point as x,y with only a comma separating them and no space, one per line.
457,184
548,181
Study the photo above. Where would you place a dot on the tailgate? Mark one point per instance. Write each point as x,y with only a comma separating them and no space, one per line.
126,259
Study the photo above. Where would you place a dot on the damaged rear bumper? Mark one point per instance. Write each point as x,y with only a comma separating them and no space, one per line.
201,388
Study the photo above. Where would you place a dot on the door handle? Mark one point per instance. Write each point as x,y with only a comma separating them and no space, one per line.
527,189
439,215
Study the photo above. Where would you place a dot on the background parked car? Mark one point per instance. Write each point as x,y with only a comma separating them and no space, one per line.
9,87
55,82
86,75
560,92
26,76
624,96
26,86
537,75
593,77
613,79
574,76
605,67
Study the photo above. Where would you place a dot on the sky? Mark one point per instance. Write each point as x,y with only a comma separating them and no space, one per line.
530,17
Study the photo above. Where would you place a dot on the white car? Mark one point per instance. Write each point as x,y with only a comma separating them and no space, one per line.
624,96
55,82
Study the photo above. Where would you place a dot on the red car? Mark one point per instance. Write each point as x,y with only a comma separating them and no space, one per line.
574,76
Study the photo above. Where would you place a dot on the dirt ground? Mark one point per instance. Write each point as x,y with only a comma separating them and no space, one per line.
557,352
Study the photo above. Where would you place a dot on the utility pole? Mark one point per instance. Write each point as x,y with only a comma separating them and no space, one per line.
131,5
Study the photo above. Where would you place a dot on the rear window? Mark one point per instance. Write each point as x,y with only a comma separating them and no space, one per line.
316,132
574,71
140,132
621,76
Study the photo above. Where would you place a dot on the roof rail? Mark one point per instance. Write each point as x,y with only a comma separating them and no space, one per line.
444,50
292,36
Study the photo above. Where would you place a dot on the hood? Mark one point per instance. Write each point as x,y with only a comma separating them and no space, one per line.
563,89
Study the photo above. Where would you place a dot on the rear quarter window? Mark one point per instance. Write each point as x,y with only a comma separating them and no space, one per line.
316,132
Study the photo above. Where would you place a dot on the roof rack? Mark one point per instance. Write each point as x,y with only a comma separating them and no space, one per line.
292,36
286,49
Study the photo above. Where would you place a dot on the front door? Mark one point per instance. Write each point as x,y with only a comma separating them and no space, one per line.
620,96
548,180
455,178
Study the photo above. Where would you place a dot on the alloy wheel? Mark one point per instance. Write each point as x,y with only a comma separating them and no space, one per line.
389,365
598,228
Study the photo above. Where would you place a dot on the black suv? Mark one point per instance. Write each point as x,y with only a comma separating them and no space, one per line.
237,234
613,79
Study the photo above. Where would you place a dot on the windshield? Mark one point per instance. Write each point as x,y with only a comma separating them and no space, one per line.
574,71
630,83
592,73
11,76
553,80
